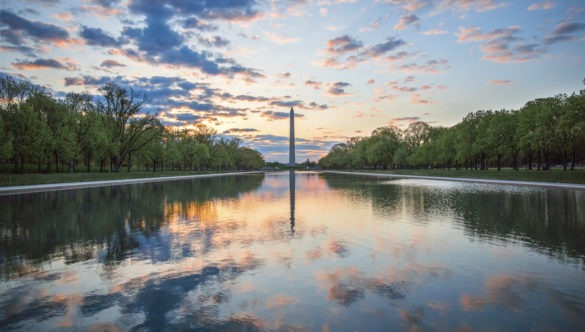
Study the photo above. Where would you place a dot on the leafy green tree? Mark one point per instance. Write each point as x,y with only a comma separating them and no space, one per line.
32,138
6,139
571,127
248,159
130,129
501,138
381,146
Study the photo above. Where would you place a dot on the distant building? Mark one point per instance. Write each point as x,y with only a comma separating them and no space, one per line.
291,146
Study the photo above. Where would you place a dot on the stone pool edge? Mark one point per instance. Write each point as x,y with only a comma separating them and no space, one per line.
556,185
12,190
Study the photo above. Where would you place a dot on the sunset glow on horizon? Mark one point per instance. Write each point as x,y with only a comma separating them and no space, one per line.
346,66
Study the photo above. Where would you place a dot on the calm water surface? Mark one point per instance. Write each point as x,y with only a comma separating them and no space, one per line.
302,252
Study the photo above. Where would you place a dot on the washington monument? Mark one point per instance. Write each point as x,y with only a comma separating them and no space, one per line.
291,146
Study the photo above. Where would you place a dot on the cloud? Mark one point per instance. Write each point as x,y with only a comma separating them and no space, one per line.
230,10
431,66
400,121
111,63
286,104
500,82
467,5
64,17
315,106
158,43
194,23
545,5
215,41
91,80
394,85
564,32
416,99
380,49
271,115
501,45
37,30
278,39
342,44
286,75
18,34
407,20
45,64
348,52
97,37
411,5
434,32
397,57
314,84
240,130
338,88
448,5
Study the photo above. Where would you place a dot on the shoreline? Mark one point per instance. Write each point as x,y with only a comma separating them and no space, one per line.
555,185
25,189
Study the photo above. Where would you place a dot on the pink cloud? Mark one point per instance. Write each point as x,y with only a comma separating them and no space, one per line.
500,82
501,45
406,21
416,99
434,32
545,5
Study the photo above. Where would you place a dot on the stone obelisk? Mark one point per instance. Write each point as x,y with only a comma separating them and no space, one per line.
291,147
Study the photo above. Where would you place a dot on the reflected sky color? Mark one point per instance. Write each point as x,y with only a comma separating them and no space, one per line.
362,254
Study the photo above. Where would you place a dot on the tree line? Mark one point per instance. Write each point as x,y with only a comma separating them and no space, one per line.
544,132
41,133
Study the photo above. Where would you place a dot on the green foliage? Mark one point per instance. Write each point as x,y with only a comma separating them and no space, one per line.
107,133
545,132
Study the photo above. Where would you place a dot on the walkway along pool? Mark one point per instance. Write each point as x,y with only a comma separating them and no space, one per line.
306,251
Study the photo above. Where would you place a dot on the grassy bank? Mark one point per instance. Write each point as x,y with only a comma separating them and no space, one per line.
11,179
554,175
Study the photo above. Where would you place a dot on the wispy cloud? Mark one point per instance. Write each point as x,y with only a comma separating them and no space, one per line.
109,63
500,82
64,64
342,44
545,5
338,88
314,84
240,130
347,52
564,31
468,5
416,99
431,66
272,115
275,38
406,21
403,121
434,32
501,45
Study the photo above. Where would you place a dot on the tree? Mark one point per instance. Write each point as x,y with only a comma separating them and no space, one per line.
571,127
501,138
130,130
6,139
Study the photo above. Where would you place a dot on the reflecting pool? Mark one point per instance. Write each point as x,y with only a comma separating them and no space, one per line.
304,251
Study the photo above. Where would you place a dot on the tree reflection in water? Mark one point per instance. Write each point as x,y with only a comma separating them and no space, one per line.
290,251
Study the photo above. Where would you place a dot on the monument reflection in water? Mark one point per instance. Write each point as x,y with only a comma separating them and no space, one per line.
294,251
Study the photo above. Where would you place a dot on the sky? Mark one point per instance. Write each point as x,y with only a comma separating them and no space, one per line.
346,66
